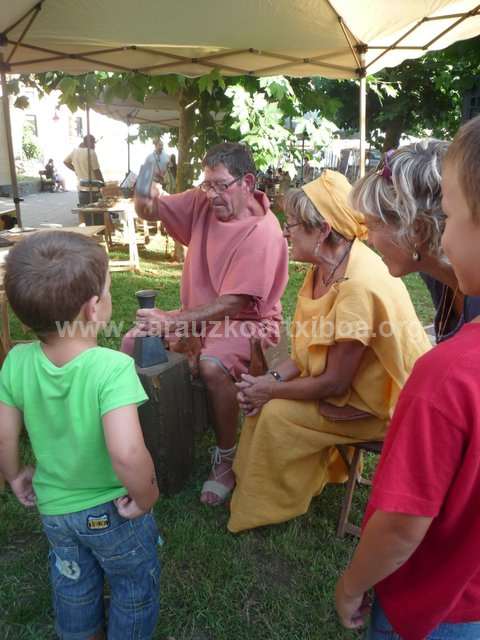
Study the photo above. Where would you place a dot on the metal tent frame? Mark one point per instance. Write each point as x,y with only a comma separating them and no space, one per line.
273,62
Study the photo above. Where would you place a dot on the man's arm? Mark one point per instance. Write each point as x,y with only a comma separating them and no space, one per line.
97,174
388,541
130,458
68,162
157,321
18,476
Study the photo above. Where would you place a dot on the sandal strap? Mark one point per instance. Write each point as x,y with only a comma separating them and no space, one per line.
219,455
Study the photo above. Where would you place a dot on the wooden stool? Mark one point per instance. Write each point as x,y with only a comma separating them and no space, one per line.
353,466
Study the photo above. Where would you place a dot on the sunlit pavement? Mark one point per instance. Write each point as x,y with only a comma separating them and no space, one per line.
46,207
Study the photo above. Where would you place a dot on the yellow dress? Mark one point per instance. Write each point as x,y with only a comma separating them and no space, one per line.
286,455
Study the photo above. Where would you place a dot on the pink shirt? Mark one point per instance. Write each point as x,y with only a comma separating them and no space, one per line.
247,256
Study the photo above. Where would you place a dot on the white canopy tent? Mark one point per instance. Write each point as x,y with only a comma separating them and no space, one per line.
160,109
332,38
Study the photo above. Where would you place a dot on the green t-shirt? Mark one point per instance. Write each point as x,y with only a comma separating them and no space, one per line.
62,409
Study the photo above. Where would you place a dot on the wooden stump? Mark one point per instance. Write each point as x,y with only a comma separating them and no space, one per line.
167,421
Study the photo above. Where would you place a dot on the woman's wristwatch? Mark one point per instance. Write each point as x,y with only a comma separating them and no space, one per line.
275,374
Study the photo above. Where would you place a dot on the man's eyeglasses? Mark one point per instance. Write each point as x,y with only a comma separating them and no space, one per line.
289,225
218,187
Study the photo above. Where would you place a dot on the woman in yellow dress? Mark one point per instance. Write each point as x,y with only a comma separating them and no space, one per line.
355,338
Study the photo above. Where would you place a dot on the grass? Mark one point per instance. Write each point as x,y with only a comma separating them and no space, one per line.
273,583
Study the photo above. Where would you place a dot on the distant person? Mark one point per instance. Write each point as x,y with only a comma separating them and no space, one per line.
94,482
171,175
77,161
172,165
161,160
52,174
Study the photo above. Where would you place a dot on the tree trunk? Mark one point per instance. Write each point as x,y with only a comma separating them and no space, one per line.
393,133
184,167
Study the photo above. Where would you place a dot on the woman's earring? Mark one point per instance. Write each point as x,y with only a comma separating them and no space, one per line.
416,254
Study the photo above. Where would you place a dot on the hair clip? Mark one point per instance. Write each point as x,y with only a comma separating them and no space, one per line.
386,170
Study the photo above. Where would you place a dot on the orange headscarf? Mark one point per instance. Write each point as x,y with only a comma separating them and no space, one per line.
329,193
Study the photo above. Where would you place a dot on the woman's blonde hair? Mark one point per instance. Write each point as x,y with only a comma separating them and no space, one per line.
406,193
299,206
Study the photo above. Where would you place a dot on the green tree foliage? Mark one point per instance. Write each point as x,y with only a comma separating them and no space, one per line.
30,147
419,97
261,120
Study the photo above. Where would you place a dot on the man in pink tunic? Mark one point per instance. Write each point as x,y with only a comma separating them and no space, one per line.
235,272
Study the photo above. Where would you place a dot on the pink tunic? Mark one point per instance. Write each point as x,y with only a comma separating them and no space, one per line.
243,257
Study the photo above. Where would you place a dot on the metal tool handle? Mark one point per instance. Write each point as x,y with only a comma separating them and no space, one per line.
145,179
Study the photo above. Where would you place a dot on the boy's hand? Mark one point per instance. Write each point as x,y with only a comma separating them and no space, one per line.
128,508
22,487
352,610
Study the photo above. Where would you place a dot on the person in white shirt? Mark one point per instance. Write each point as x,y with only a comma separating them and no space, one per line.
77,161
160,159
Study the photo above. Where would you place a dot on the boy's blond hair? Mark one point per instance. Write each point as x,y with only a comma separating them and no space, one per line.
464,155
50,275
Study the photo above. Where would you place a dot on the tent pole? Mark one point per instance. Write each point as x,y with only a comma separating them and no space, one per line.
8,136
363,123
89,160
363,110
128,148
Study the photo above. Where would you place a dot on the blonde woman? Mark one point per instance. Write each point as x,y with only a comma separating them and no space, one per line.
402,204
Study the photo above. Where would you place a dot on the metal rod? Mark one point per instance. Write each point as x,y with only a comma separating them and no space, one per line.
89,160
363,115
198,61
399,48
300,62
58,55
128,148
303,158
24,32
450,15
394,45
470,14
354,53
8,136
12,26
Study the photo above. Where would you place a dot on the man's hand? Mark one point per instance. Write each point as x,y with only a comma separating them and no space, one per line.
22,487
155,322
128,508
144,206
352,610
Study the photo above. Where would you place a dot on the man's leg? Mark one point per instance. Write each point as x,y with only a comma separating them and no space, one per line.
222,397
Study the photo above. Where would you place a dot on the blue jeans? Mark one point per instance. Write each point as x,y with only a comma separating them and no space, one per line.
381,629
90,545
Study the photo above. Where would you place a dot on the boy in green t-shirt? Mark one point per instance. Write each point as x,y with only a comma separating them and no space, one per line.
94,481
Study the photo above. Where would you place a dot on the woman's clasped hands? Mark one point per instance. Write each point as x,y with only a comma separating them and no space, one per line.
254,392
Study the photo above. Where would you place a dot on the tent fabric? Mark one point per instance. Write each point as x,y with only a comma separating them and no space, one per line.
160,109
258,37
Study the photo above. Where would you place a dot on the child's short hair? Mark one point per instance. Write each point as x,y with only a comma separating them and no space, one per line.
50,275
463,153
